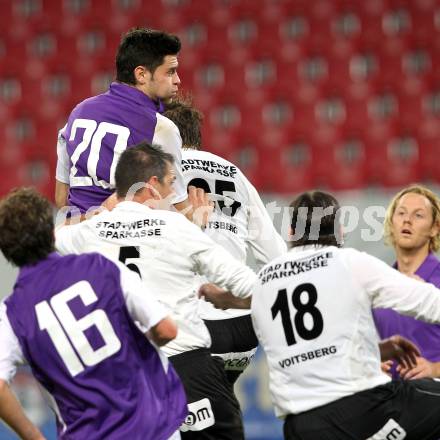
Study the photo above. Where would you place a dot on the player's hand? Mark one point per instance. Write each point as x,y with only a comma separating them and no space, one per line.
110,202
202,206
215,295
399,349
422,369
222,299
386,367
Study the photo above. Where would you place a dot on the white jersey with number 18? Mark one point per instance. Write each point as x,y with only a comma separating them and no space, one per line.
312,313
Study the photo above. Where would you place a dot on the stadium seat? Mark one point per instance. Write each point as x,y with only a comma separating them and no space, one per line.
249,157
429,141
290,169
347,163
393,157
267,75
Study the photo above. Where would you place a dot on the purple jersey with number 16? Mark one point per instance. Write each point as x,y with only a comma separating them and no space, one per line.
98,130
107,381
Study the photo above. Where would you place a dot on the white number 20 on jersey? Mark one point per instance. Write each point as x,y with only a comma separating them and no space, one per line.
92,136
67,333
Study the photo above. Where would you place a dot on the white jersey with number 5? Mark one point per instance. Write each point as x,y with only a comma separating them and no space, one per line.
312,313
240,221
166,250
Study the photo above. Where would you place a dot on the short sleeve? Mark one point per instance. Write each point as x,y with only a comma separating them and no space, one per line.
63,160
167,136
10,351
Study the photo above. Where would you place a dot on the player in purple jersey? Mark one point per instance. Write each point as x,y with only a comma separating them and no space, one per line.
100,128
81,323
412,227
169,253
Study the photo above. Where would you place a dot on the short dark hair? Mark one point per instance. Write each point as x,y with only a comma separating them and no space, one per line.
143,47
27,228
138,164
188,120
316,216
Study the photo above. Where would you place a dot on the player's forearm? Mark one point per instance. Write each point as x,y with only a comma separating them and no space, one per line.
185,208
223,299
13,415
233,302
197,207
163,332
61,194
436,369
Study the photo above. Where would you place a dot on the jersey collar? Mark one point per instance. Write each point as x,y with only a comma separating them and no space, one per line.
307,247
28,269
127,205
428,267
126,91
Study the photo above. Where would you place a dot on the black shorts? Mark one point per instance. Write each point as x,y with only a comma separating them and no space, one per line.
399,410
214,412
235,341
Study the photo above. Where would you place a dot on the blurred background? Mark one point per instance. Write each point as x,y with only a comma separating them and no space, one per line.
342,95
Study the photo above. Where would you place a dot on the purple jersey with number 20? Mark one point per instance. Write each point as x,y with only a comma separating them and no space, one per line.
100,128
108,382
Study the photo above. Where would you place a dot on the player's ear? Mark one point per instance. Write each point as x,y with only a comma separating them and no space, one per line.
435,229
141,74
151,185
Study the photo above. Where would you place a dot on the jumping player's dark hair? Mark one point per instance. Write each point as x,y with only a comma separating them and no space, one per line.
188,120
143,47
138,164
26,227
315,219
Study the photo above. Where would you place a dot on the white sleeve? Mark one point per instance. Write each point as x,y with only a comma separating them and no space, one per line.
168,137
263,239
216,264
10,350
390,289
141,303
69,239
63,161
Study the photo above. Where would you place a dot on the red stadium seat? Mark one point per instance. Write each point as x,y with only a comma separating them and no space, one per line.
346,165
429,142
10,179
281,83
393,157
249,157
291,167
